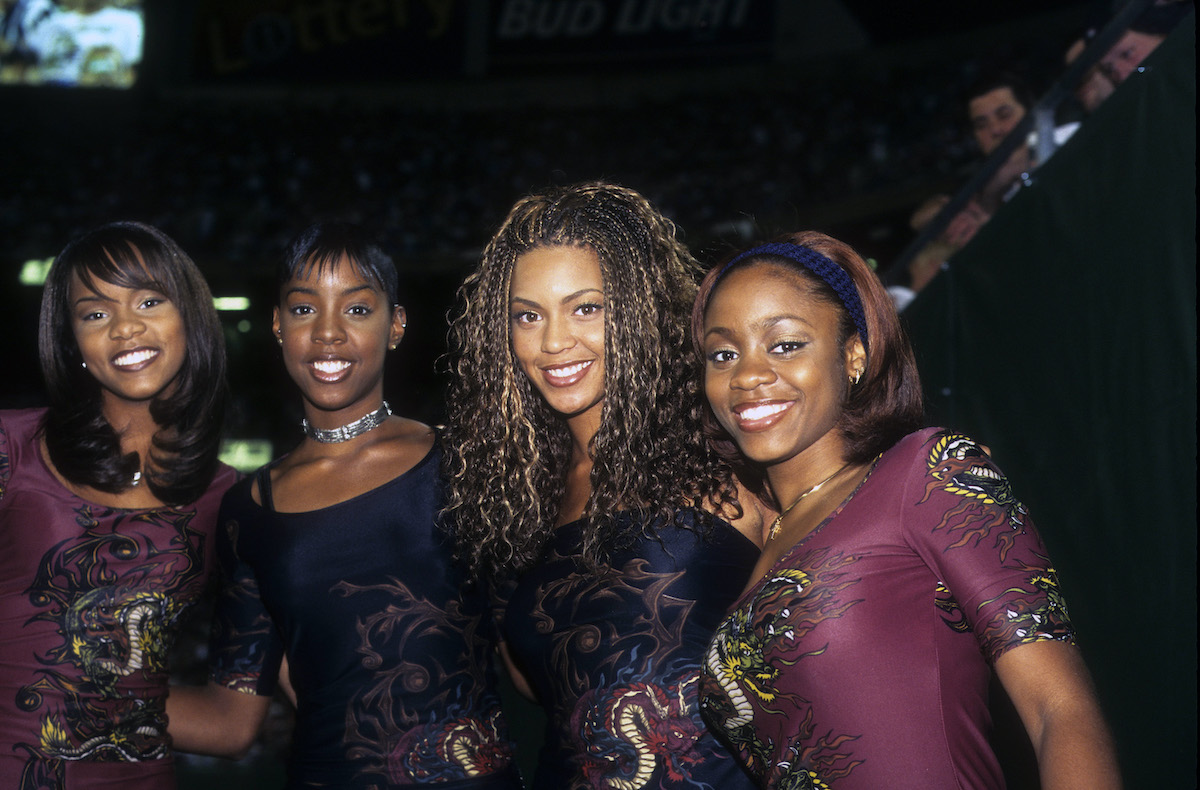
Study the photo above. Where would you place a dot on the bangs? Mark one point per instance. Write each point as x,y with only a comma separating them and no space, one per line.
322,261
305,260
125,266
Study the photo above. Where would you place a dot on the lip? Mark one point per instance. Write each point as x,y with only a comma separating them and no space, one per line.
330,370
760,415
134,359
567,374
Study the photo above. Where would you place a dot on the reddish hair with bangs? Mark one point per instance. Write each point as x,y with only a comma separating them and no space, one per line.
886,404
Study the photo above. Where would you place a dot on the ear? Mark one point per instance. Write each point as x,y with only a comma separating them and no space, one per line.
856,358
399,322
275,328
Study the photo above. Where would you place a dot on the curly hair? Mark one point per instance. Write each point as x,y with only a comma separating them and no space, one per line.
886,405
508,452
83,446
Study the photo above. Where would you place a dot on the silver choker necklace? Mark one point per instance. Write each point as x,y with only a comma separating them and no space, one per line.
351,429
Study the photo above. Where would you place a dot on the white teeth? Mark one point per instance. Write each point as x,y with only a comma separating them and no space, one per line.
568,371
134,357
331,365
762,412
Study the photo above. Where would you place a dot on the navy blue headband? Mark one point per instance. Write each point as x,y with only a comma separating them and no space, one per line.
833,275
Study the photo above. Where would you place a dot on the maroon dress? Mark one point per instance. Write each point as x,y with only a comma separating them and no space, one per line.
861,659
91,598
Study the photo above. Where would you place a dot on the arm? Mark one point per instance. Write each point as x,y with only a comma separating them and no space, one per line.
285,681
214,720
519,681
1053,694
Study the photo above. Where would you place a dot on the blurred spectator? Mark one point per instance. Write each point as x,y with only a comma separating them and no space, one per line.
995,105
1095,86
1144,35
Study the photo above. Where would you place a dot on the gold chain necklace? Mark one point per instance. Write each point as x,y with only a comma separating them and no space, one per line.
778,522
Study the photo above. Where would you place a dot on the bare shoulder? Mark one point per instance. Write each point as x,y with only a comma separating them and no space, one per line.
411,439
316,476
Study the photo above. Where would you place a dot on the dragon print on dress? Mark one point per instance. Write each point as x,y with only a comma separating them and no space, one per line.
456,746
1034,614
954,617
115,594
614,652
959,466
445,751
628,730
948,574
757,644
823,761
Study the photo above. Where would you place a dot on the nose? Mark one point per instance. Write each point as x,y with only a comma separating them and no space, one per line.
328,329
751,371
1113,70
1000,129
127,324
557,335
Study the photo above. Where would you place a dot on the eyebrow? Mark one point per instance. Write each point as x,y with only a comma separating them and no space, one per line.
93,297
301,289
766,323
568,298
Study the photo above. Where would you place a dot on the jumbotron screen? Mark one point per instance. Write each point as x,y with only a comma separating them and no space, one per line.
71,43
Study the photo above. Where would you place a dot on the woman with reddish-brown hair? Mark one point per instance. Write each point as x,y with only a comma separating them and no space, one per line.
900,570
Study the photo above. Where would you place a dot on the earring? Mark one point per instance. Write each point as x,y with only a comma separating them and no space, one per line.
279,340
84,365
857,376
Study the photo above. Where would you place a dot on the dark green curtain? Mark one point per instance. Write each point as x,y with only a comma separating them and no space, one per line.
1064,337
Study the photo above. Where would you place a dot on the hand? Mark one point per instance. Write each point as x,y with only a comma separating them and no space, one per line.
965,225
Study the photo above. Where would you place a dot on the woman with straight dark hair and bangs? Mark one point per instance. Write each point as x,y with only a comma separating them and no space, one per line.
83,446
901,569
580,485
108,503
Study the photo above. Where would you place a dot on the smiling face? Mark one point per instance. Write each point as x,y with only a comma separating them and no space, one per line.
336,327
776,375
133,340
556,304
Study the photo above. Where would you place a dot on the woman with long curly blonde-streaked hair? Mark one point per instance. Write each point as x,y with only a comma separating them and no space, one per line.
582,487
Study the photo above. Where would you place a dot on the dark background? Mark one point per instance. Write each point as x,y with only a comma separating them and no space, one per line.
253,118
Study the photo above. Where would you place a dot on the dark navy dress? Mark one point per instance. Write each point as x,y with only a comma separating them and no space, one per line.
615,657
390,653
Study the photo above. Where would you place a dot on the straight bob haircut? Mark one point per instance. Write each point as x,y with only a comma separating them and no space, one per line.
887,404
83,446
324,244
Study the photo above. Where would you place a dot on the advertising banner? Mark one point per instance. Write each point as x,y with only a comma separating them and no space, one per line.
327,41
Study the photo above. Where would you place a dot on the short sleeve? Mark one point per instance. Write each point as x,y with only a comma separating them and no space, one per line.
994,571
245,649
